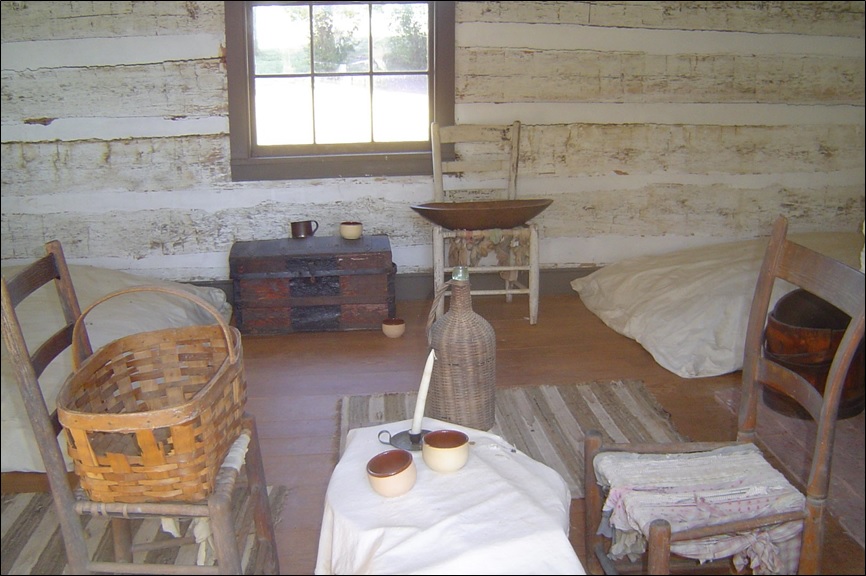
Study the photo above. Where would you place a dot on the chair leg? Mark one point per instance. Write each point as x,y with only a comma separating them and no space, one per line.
659,547
811,549
71,528
223,531
534,275
592,502
438,268
121,534
510,275
259,496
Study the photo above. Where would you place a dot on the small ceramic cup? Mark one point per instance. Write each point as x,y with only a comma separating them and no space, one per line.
351,230
445,450
393,327
392,473
304,228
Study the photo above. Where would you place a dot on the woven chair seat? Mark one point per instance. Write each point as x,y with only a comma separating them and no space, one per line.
733,483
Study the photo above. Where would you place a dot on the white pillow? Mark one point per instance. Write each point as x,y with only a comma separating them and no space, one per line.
689,308
40,316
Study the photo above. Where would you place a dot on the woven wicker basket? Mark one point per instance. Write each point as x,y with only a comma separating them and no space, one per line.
149,417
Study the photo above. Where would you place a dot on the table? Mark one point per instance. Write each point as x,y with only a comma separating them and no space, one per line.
502,513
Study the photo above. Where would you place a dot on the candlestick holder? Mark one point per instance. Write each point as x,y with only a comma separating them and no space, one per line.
405,439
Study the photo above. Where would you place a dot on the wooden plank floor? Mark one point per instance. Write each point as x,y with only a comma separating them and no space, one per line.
295,382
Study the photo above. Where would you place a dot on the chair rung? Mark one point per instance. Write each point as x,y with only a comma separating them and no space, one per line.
125,568
160,544
490,269
494,291
137,510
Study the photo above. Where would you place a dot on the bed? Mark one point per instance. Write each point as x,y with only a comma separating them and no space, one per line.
40,315
689,308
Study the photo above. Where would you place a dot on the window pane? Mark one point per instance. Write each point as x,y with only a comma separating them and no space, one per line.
308,99
400,108
341,39
342,109
400,37
284,111
281,39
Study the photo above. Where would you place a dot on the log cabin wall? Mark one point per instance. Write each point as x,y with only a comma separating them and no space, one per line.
652,125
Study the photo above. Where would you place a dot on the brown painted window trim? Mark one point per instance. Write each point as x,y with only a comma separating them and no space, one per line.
396,161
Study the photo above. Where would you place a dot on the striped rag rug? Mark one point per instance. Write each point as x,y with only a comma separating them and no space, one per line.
32,544
545,422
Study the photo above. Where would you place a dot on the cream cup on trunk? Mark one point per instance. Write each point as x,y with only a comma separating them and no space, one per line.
351,230
445,450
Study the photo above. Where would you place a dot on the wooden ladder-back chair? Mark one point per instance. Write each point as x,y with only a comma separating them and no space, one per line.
743,504
474,162
72,503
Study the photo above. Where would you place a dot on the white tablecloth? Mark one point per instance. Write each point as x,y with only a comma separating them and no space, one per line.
502,513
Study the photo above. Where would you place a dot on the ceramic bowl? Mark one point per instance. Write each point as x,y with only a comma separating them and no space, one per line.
351,230
392,473
393,327
445,450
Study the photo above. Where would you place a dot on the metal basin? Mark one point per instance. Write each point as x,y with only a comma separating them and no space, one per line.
482,215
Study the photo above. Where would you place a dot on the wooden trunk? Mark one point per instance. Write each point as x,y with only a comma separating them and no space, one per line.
312,284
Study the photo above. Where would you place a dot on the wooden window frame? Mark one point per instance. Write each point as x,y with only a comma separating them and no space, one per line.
250,164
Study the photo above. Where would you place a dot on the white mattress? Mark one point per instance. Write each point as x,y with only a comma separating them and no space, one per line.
689,308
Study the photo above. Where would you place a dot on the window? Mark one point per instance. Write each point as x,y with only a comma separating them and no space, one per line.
337,89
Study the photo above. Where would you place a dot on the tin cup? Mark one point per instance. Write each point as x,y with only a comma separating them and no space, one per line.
304,228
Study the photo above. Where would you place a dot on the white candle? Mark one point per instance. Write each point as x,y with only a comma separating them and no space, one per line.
422,394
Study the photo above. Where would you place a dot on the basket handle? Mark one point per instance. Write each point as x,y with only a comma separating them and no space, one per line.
77,356
431,317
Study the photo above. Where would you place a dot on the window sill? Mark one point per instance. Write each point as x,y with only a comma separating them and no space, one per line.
341,166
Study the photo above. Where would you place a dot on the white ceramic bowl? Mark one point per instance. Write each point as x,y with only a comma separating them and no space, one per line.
445,450
393,327
351,230
392,473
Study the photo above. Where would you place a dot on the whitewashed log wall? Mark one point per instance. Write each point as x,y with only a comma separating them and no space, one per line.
652,125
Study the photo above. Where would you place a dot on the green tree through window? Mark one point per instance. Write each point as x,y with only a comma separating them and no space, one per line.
407,48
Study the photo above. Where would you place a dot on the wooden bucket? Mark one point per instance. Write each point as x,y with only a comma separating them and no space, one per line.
803,333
